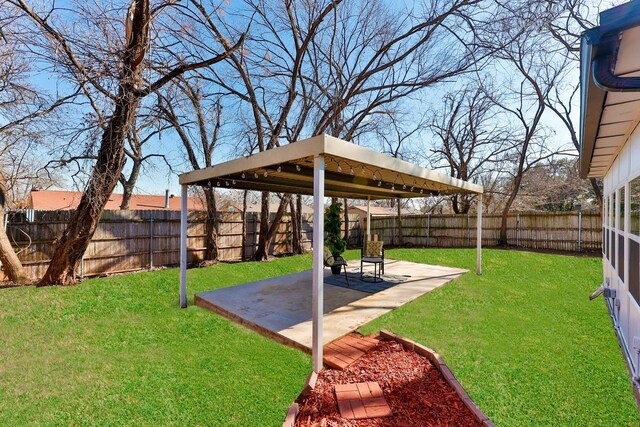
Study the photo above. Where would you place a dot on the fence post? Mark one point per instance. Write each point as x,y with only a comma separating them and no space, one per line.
518,229
82,268
151,244
468,232
579,231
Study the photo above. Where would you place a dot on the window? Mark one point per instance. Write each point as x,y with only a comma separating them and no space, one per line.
621,211
612,213
634,206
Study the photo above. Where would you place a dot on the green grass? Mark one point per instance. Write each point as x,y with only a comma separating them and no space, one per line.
118,351
523,339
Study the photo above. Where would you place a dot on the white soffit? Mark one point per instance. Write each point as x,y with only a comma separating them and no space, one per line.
622,109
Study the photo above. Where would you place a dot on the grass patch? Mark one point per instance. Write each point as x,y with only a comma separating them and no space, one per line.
119,351
523,338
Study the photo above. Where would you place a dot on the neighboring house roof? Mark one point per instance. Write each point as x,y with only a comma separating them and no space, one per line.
50,200
609,88
381,211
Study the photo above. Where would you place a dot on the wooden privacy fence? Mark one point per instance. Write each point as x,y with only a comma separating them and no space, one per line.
136,240
562,231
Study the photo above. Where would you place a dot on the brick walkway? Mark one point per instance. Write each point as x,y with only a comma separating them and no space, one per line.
343,352
361,400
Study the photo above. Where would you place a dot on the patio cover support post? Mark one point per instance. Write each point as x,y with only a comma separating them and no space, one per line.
183,248
368,218
479,237
318,268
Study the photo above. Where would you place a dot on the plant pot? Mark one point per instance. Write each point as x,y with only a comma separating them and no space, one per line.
335,269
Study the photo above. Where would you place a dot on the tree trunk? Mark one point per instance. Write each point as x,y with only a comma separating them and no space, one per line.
10,262
129,184
400,236
71,246
299,222
296,244
346,220
268,231
211,228
502,240
262,251
595,183
243,250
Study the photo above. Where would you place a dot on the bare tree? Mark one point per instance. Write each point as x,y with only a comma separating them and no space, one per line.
569,18
90,67
471,137
196,117
138,137
528,87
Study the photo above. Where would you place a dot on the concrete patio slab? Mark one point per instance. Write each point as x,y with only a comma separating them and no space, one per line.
280,307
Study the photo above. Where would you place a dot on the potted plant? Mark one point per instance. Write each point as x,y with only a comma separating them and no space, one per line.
332,228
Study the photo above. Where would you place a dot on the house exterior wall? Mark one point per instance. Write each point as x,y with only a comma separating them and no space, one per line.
621,245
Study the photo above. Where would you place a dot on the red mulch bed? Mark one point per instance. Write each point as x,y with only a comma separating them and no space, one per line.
415,390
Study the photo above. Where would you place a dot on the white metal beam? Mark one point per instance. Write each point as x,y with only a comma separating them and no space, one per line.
479,237
183,248
318,268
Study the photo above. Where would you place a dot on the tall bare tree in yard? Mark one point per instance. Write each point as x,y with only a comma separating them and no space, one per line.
137,139
528,86
569,18
196,118
470,137
26,118
89,66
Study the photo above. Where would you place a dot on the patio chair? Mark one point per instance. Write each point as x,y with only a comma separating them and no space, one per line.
335,261
372,252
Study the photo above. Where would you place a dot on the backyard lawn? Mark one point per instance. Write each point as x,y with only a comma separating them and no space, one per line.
523,339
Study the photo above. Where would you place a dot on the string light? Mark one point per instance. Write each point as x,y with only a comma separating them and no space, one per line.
209,183
379,183
279,168
393,187
298,168
218,183
266,174
233,181
339,168
404,187
243,175
351,172
421,191
255,175
226,183
363,171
